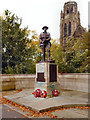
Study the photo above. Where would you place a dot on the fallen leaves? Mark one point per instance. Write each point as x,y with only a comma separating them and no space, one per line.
24,109
26,115
8,110
82,107
4,93
35,114
19,90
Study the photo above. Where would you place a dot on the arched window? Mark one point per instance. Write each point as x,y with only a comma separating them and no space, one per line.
71,9
67,11
69,29
62,26
65,30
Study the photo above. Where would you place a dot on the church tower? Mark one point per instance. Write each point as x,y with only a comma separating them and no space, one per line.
69,21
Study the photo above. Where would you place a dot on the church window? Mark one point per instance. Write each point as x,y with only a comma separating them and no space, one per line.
65,30
69,29
71,9
67,11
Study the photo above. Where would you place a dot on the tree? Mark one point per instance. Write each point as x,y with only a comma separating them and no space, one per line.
0,44
16,56
76,55
57,54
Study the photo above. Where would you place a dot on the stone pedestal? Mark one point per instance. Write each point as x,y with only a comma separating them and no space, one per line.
46,77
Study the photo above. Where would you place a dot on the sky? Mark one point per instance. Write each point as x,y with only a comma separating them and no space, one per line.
37,13
89,14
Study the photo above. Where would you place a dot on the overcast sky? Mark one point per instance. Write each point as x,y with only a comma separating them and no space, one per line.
89,14
37,13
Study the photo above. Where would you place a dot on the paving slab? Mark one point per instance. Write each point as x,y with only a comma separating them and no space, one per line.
71,113
66,99
9,113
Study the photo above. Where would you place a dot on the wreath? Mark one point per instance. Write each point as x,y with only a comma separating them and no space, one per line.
43,94
55,92
37,93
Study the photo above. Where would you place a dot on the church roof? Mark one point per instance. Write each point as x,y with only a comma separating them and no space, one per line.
79,31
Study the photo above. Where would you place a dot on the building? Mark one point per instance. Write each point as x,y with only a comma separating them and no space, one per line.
70,25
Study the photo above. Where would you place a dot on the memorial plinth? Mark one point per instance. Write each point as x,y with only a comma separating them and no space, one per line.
46,77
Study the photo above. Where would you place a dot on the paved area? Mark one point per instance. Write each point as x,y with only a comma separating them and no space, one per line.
66,99
0,111
71,113
9,113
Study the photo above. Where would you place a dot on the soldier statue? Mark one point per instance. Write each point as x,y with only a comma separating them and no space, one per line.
45,42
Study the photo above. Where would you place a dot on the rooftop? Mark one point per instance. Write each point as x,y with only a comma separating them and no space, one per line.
70,3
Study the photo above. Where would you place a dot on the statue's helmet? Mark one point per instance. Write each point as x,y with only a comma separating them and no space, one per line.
45,27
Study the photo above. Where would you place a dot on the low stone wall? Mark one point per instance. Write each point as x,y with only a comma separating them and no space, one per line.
74,81
15,82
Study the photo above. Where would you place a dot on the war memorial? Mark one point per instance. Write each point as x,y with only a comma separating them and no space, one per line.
46,71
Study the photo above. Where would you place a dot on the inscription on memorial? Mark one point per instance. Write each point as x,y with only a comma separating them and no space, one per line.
53,72
40,77
40,68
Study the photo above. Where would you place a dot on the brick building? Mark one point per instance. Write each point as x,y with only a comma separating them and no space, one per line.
70,22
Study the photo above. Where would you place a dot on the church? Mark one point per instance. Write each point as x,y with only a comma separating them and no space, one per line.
70,25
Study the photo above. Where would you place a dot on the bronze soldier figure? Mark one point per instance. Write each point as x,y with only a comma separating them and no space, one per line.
45,42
